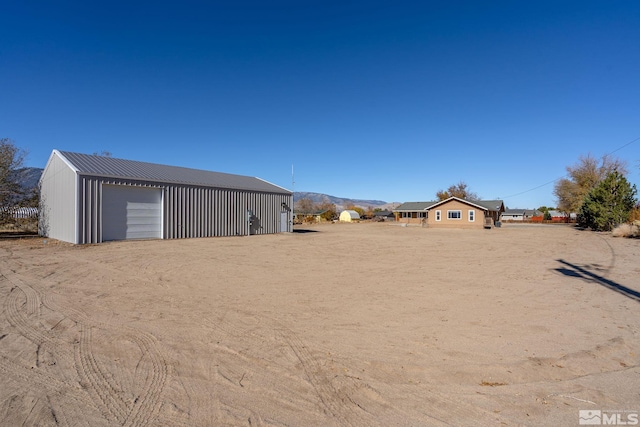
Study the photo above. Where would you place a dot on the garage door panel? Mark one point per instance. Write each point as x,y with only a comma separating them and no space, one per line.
131,212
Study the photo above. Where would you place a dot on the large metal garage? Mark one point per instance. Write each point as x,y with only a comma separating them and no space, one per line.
92,199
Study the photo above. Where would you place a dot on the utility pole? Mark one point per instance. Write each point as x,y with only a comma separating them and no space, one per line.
293,201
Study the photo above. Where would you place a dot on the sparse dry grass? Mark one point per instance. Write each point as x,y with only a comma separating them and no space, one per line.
627,230
19,226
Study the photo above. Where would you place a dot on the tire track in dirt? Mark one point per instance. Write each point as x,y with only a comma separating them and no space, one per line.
97,384
59,415
336,403
33,300
102,391
55,387
105,394
45,342
147,405
148,401
24,327
150,396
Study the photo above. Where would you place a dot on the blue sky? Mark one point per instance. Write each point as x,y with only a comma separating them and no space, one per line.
366,99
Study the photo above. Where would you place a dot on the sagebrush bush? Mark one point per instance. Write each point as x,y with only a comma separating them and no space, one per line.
626,230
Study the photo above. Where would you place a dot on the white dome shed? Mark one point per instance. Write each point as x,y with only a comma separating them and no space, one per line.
349,216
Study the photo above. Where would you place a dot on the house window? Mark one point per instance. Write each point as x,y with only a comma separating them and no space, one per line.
422,214
457,214
438,215
472,215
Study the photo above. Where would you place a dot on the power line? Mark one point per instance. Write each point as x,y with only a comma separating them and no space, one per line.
559,178
535,188
620,148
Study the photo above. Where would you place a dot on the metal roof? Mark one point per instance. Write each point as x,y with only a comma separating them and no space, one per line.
414,206
86,164
490,205
383,213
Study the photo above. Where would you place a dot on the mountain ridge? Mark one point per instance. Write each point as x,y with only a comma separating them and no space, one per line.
27,177
342,202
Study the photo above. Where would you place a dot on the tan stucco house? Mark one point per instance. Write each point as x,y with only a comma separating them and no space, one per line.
459,213
451,213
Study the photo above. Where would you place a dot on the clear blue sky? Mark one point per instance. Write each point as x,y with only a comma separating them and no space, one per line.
367,99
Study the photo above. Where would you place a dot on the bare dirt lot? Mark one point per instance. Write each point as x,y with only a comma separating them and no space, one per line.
346,324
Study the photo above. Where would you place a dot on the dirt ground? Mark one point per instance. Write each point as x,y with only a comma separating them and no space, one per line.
336,324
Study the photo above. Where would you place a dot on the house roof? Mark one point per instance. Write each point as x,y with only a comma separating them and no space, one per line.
524,212
514,211
487,205
314,213
414,206
85,164
383,213
491,205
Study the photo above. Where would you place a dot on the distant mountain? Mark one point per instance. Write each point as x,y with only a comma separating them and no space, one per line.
28,177
342,202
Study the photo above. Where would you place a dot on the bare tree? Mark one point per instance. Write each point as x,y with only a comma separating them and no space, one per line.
305,206
460,190
582,178
328,209
353,207
11,159
11,191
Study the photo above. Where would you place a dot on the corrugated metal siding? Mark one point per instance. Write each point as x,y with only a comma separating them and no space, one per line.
189,211
212,212
58,201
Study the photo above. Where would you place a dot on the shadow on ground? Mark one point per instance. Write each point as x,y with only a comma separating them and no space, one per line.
17,234
573,270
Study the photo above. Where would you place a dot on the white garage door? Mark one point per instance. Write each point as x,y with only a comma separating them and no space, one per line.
131,212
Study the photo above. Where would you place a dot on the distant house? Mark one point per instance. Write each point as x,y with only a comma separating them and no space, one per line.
558,216
384,216
315,216
349,216
451,213
529,214
519,214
